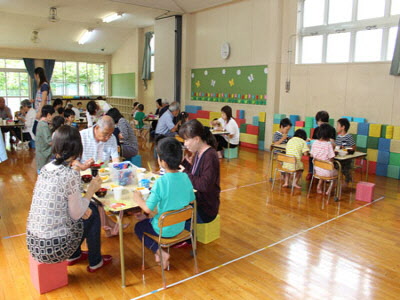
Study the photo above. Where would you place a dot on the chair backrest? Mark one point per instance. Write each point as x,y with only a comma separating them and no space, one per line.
286,158
175,216
324,164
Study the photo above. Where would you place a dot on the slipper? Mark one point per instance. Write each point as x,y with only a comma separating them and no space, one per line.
106,260
72,261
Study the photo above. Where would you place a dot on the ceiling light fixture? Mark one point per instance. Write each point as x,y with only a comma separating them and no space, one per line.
35,37
112,17
87,33
53,14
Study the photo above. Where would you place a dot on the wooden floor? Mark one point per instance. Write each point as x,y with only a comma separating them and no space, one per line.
287,247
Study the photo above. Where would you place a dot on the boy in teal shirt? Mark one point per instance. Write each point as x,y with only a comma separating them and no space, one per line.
172,191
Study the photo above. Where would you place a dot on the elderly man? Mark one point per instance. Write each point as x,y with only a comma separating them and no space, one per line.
99,143
165,125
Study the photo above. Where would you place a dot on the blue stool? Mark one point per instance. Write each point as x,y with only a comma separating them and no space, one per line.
231,152
137,160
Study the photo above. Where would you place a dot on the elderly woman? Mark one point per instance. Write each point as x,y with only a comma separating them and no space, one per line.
126,135
60,218
202,168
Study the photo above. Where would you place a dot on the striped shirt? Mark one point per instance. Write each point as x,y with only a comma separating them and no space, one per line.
323,150
277,136
99,151
345,140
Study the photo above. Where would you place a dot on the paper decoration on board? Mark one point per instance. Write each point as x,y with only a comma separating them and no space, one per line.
240,84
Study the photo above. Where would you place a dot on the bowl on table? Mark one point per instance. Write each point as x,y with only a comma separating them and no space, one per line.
350,150
87,178
342,153
101,192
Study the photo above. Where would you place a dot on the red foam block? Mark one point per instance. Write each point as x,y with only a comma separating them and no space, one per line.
203,114
248,145
240,121
48,277
192,116
300,124
251,129
365,191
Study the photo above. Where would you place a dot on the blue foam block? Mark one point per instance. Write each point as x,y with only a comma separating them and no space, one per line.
277,121
383,157
291,131
192,109
294,118
137,161
241,114
348,118
261,145
360,120
363,128
256,121
384,145
381,169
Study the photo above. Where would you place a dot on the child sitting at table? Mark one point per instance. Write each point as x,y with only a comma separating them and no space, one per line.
43,137
296,147
345,140
281,136
56,123
322,149
69,116
215,124
164,197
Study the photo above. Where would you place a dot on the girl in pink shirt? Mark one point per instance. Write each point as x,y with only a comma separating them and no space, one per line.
322,149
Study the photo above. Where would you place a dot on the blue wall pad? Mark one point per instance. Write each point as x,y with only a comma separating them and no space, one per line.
241,114
294,118
192,109
277,121
348,118
256,120
291,131
363,129
384,145
383,157
360,120
381,169
261,145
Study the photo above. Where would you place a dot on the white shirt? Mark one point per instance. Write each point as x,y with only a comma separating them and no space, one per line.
232,128
77,113
91,120
99,151
29,121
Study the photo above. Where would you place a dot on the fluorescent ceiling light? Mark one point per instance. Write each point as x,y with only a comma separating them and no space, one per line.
112,17
85,36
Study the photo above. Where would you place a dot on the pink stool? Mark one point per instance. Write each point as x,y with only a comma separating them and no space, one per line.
365,191
48,277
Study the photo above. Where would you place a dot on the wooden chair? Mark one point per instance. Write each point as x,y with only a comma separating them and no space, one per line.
329,166
284,158
170,218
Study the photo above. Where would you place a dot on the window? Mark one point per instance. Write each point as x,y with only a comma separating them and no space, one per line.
152,54
335,31
14,82
78,78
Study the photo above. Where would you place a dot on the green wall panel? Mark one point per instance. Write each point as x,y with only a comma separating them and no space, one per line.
123,85
244,84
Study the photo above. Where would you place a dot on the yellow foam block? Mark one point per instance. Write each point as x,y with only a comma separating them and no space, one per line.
389,132
396,132
372,154
395,146
208,232
262,116
215,115
353,128
375,130
275,127
249,138
297,127
205,122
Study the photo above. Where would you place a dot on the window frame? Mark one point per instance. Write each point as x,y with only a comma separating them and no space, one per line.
77,78
385,23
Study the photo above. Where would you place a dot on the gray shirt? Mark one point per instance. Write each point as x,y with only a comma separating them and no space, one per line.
5,113
165,123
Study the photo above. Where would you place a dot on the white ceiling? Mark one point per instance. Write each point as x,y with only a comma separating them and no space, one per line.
18,18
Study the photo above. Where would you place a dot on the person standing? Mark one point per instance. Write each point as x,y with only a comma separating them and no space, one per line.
43,91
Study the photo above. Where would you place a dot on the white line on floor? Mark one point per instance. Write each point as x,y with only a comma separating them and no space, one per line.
259,250
241,186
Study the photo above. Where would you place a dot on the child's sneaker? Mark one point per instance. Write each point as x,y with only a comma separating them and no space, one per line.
106,260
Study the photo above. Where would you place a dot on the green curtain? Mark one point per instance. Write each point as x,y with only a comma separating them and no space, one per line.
395,67
146,73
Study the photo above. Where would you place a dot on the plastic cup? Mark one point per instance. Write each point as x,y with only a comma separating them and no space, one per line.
118,192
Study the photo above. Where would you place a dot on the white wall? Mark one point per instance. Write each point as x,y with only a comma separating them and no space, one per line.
164,31
125,58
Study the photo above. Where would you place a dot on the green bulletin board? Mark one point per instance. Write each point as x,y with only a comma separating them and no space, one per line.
245,84
123,85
